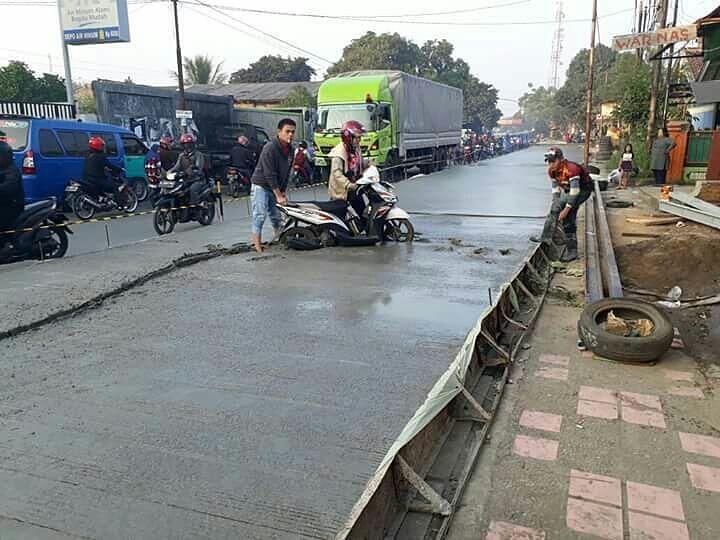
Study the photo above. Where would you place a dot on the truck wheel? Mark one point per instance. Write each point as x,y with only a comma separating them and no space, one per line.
629,349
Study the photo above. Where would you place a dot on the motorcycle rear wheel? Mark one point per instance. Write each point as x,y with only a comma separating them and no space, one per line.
82,207
164,221
130,202
298,233
60,248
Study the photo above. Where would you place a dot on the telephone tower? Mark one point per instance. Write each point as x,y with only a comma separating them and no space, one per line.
557,47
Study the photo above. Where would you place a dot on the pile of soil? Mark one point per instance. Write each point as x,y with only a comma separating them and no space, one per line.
690,261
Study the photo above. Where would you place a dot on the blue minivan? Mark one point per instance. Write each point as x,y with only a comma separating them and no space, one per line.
52,152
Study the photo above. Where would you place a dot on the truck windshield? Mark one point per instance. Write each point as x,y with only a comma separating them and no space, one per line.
332,118
15,133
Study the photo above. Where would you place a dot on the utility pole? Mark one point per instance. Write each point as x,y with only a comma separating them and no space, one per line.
69,94
657,73
591,69
670,67
181,77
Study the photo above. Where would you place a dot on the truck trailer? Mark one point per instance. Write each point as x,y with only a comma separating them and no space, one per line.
409,120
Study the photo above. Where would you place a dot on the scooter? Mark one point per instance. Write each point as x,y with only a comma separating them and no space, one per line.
40,233
337,223
173,205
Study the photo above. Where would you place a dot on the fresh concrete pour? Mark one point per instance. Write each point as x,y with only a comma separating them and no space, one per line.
253,396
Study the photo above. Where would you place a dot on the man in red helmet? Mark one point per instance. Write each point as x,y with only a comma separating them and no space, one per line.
347,166
571,185
97,165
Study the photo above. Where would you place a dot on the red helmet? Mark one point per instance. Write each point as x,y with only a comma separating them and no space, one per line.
166,142
187,138
96,144
350,130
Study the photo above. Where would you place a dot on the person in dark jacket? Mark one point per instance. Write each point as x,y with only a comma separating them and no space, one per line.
192,163
242,157
270,180
168,156
97,165
12,196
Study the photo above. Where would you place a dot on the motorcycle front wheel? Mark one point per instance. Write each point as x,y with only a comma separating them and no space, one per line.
82,207
141,189
164,221
207,214
130,200
398,230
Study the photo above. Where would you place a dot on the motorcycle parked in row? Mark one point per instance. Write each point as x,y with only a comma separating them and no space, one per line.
238,182
42,234
336,222
173,205
87,199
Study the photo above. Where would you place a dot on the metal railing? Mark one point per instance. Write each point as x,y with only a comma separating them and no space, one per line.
58,111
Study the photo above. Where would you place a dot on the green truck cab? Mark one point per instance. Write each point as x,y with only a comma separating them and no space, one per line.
407,119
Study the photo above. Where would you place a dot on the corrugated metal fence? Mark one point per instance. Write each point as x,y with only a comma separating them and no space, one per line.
60,111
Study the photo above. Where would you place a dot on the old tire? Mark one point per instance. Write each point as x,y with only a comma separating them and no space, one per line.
627,349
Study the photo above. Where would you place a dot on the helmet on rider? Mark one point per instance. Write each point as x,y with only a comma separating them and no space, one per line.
187,141
351,130
303,145
553,154
6,155
166,142
96,144
242,140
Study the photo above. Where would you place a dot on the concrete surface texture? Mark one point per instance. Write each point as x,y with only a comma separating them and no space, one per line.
587,448
248,396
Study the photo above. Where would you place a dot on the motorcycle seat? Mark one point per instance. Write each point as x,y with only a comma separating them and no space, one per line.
336,208
31,208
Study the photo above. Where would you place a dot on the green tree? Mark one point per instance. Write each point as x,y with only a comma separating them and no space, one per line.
201,69
19,83
539,108
299,97
275,69
480,104
437,63
628,84
85,99
378,51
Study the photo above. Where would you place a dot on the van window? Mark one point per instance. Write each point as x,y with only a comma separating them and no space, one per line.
74,142
49,145
110,144
15,133
133,146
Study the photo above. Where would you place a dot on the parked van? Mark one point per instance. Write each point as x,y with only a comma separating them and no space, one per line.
51,152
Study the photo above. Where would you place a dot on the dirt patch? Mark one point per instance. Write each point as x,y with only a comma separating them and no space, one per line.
688,260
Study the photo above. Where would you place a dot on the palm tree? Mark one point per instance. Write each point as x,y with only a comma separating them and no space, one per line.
201,69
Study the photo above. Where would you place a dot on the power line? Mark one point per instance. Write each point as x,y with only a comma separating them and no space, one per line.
263,32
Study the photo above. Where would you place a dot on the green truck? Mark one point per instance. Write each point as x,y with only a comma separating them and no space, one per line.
409,120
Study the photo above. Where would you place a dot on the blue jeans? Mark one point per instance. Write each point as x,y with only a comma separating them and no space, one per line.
264,204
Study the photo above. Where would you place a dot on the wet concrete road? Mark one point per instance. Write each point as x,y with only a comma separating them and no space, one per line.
252,397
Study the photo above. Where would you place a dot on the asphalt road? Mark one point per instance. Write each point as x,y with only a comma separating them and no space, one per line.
252,396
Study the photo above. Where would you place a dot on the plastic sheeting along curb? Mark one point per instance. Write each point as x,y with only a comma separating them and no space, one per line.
447,388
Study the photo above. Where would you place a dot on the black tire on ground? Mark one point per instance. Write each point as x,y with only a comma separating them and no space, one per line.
398,230
141,189
82,207
164,221
61,237
207,215
298,233
130,201
628,349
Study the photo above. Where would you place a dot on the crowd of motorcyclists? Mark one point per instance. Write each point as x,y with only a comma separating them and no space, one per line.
479,146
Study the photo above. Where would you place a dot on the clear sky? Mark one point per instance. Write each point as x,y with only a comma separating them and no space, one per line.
507,45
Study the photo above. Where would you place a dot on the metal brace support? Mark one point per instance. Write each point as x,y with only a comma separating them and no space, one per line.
545,256
494,344
512,321
527,291
438,505
512,295
535,272
484,415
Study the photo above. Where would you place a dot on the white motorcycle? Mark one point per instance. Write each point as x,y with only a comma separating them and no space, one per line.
337,223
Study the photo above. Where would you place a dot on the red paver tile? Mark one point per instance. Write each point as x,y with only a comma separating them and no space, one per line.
536,448
685,391
607,411
674,375
541,420
700,444
643,417
655,500
602,395
640,401
644,527
600,520
557,359
596,488
702,477
560,374
500,530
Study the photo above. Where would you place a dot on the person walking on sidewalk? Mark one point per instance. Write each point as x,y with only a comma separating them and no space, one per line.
659,156
626,166
270,180
571,186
